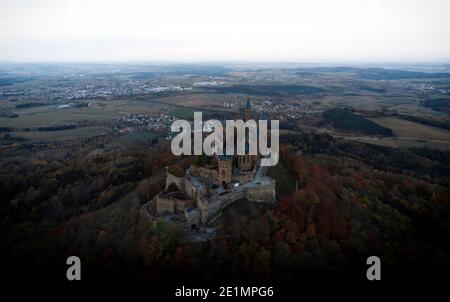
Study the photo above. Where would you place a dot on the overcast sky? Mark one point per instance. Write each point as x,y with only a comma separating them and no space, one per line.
205,30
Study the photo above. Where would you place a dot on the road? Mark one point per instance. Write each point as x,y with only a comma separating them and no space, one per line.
144,209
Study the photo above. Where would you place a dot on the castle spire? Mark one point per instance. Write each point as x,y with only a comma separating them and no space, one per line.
248,105
248,110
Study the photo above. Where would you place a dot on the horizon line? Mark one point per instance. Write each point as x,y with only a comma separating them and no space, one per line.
225,61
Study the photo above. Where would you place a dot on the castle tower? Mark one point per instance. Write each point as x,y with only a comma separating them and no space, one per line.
246,162
248,110
209,183
225,169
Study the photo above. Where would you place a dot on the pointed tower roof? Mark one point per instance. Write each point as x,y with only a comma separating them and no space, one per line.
248,105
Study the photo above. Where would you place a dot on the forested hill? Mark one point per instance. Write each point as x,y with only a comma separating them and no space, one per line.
348,121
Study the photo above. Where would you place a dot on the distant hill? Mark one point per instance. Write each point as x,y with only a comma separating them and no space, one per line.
390,74
348,121
376,73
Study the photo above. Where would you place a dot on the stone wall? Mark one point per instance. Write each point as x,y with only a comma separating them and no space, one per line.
217,203
212,208
181,205
262,193
164,205
170,205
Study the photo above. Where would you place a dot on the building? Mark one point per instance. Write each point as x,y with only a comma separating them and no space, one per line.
225,170
212,183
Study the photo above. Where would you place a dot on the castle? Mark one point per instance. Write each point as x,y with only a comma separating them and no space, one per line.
212,183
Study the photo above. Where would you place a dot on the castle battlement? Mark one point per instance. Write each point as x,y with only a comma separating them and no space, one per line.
170,204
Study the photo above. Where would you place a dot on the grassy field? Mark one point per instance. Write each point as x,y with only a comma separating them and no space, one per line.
403,104
62,135
398,100
54,116
131,106
396,141
97,111
209,100
402,142
188,112
407,129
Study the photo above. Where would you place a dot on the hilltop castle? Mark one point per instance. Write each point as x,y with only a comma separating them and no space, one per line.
212,183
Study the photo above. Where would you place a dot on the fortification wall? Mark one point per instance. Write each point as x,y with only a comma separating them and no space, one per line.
217,203
169,205
262,193
164,205
181,205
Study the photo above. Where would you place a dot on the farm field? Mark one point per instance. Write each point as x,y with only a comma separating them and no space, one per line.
401,142
408,129
70,134
96,111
